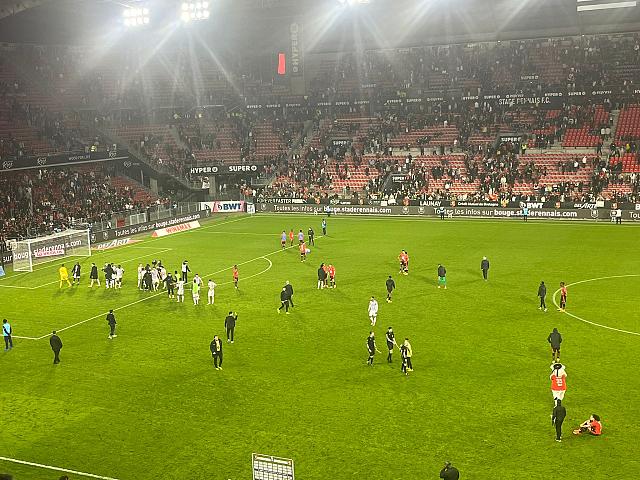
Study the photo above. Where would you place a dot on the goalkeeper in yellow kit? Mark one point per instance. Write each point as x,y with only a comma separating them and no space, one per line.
64,275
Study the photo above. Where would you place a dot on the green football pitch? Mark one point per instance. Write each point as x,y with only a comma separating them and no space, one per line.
149,404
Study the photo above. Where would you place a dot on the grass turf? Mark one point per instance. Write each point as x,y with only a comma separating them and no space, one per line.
149,404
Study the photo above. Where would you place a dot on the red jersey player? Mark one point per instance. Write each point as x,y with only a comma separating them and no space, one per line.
563,297
404,262
332,276
326,276
291,237
558,381
235,276
303,252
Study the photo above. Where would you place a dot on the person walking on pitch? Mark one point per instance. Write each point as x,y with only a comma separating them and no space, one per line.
93,275
373,311
542,293
324,226
557,417
284,300
211,292
56,346
111,320
408,354
236,275
322,276
6,334
283,239
331,270
391,285
171,282
75,274
185,271
311,236
195,291
230,325
558,381
64,275
391,343
555,339
563,297
371,347
289,288
442,276
216,352
291,237
484,266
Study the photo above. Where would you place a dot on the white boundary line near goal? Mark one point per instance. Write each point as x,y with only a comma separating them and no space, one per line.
132,245
164,293
158,251
57,469
555,294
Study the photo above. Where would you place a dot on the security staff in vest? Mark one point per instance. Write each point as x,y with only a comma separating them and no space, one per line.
484,266
557,417
449,472
216,352
56,346
230,325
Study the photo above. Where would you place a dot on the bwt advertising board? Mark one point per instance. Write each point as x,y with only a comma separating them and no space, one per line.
224,207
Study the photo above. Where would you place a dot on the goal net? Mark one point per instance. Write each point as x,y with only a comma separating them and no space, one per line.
36,251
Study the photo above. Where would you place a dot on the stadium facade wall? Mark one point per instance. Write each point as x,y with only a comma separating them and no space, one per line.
585,214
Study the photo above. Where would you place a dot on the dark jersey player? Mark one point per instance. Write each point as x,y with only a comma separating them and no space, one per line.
371,347
391,343
391,285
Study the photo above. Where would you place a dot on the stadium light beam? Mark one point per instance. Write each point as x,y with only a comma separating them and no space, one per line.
136,16
194,11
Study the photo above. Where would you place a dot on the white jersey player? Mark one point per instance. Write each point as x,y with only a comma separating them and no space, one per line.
119,272
180,292
211,293
373,311
163,276
140,276
155,278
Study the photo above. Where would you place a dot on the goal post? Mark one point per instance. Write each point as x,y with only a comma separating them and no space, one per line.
27,254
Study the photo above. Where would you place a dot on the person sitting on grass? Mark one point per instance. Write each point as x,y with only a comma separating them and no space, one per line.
592,426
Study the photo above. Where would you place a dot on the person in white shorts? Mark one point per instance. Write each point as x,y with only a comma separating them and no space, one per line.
155,278
180,292
140,276
119,275
373,311
211,293
558,381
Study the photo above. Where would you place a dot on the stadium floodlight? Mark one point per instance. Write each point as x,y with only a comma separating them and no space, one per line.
194,11
135,17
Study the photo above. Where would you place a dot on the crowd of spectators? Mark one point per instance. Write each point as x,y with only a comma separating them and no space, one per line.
44,201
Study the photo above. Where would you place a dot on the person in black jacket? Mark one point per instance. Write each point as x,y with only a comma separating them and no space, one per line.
216,352
442,276
542,293
555,339
557,417
371,347
284,301
484,266
111,320
56,346
93,275
391,285
311,234
230,325
289,288
322,276
449,472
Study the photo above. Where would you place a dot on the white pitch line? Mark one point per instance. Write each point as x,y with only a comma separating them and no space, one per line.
555,294
119,263
57,469
164,293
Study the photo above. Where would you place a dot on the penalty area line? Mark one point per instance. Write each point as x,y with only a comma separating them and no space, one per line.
57,469
263,257
555,294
